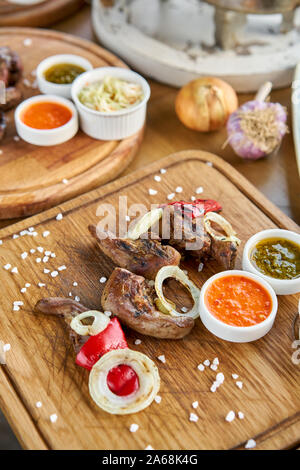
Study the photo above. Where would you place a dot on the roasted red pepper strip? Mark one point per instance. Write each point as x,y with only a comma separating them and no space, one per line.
96,346
198,207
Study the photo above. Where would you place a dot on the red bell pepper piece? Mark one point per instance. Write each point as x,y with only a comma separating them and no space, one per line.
198,207
96,346
122,380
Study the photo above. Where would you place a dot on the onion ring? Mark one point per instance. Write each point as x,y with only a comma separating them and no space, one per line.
99,324
149,382
144,223
179,275
226,226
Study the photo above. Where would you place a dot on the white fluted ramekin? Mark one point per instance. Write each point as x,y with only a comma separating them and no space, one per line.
46,137
113,125
237,334
57,88
280,286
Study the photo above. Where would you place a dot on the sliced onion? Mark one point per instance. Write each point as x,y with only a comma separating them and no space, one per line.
224,224
145,222
179,275
99,324
149,382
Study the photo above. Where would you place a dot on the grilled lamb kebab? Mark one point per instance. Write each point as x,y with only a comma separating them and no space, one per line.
132,299
66,309
196,237
143,256
10,66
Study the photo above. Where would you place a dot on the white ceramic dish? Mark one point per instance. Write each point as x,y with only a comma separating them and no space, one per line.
296,113
117,124
280,286
55,88
46,137
237,334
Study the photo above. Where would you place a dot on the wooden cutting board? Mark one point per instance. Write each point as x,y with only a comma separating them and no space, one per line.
40,15
31,176
40,365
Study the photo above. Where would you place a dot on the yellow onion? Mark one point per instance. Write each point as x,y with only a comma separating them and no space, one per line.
100,322
205,104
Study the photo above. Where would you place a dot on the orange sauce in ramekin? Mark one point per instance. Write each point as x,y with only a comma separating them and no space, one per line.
238,301
46,115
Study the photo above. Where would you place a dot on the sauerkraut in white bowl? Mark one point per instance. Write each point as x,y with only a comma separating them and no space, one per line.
111,102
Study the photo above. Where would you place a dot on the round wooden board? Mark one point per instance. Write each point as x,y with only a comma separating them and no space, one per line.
31,176
41,15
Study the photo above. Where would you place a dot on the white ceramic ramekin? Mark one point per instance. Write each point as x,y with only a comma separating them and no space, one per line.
237,334
56,88
117,124
46,137
280,286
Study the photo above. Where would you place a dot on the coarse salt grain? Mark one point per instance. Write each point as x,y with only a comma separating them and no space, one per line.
184,309
234,376
32,250
152,192
70,294
14,270
75,283
59,216
241,415
24,255
107,313
149,447
163,171
157,399
200,367
27,42
1,242
6,347
15,236
53,255
194,418
137,342
46,271
230,416
102,280
16,138
27,284
170,196
38,260
16,308
46,233
47,253
23,290
77,298
41,284
220,377
133,427
250,444
216,361
45,259
199,190
157,178
178,189
54,273
239,384
127,218
7,266
162,358
193,198
214,367
65,181
209,163
40,249
53,418
62,267
200,267
206,362
18,302
195,404
38,404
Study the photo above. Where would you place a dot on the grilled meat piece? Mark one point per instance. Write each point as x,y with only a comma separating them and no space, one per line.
2,125
13,66
190,236
13,96
66,309
131,298
142,256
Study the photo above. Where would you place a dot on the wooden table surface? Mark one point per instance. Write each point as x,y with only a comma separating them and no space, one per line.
277,177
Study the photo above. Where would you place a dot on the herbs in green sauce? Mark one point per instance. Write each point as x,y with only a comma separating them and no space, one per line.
63,74
278,258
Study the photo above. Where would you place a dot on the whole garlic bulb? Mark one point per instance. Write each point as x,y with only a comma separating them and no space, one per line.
205,104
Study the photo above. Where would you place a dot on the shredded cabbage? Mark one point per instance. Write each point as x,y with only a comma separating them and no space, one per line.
112,94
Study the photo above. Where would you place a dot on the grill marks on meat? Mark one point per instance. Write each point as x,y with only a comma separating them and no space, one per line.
66,309
131,298
202,245
142,256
